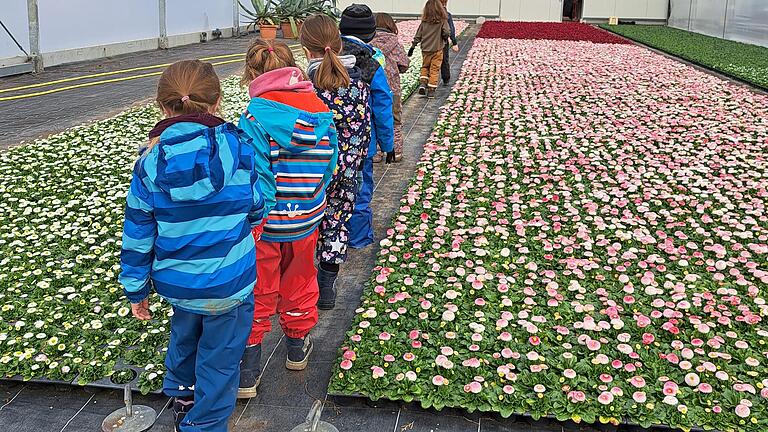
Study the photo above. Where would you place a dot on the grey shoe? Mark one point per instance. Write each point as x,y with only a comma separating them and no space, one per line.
298,353
422,90
250,372
431,93
326,280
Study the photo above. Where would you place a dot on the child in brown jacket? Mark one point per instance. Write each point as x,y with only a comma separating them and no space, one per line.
433,34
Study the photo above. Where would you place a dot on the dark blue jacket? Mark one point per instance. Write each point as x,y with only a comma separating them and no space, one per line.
454,41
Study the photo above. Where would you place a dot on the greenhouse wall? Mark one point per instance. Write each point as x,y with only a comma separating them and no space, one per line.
14,17
738,20
110,27
532,10
636,10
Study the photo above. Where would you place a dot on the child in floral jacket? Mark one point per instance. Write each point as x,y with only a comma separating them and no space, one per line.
338,83
397,62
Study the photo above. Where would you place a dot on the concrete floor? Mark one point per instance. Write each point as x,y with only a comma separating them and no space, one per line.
285,397
38,116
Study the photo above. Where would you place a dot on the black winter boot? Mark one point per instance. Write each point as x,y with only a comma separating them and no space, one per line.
298,353
250,372
326,280
181,406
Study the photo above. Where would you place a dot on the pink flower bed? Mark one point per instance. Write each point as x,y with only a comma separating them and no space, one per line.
586,239
547,30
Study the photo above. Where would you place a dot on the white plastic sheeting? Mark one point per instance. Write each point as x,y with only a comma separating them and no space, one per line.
747,21
192,16
84,23
739,20
488,8
643,10
14,16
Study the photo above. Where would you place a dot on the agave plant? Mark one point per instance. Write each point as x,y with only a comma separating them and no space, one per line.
294,11
262,12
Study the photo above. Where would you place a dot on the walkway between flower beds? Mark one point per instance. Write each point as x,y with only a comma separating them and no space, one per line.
285,397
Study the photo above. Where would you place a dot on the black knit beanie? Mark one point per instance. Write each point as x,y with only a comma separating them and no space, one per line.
357,20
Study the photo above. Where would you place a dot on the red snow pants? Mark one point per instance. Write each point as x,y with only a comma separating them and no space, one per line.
286,285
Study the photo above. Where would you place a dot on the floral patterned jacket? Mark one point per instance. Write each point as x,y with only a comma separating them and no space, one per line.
397,58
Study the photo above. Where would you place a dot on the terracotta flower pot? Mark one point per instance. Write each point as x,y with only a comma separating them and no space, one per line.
288,30
267,31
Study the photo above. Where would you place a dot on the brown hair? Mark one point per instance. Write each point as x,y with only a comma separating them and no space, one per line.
434,12
320,36
385,21
444,3
264,56
187,87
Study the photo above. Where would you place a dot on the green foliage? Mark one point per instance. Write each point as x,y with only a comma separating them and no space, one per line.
743,61
262,12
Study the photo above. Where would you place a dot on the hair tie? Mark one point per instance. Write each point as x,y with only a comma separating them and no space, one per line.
184,98
327,49
270,49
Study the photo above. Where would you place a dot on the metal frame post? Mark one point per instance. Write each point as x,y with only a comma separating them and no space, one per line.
235,18
162,41
34,36
725,18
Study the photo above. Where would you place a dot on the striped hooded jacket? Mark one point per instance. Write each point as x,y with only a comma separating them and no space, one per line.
294,130
192,201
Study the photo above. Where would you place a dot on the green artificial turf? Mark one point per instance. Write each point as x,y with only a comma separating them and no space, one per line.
736,59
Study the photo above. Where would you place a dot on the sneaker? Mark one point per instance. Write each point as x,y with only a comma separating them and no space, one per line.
298,353
326,281
181,406
431,94
378,158
250,372
422,90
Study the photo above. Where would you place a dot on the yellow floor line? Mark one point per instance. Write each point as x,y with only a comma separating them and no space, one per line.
89,84
117,72
295,48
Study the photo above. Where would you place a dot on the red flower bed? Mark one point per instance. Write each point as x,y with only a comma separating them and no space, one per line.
547,30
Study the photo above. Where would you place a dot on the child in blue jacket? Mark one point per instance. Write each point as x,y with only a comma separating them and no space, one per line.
294,128
193,199
358,28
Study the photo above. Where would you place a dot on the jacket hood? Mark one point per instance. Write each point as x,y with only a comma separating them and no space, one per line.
364,56
292,129
194,161
283,79
348,61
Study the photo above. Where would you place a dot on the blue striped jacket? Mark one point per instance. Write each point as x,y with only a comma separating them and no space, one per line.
193,200
303,151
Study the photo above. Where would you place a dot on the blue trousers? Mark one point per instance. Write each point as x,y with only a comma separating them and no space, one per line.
361,224
203,360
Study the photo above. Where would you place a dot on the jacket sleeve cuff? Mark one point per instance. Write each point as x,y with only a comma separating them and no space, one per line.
137,296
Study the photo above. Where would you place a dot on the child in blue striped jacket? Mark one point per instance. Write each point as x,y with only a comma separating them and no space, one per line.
294,131
193,199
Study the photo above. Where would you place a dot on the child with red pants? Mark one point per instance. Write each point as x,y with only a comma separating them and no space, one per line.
293,132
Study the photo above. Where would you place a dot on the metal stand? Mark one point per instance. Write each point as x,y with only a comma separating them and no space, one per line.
313,422
132,418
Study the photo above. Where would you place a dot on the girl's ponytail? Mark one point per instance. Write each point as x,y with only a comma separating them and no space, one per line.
320,36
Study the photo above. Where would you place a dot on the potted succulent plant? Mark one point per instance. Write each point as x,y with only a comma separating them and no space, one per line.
293,12
264,16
